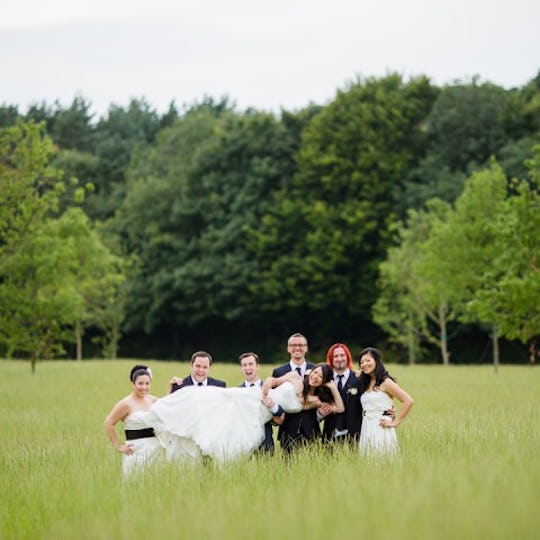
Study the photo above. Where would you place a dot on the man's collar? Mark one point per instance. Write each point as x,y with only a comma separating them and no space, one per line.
302,366
345,374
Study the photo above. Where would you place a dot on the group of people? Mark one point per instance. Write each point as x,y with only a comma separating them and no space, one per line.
201,418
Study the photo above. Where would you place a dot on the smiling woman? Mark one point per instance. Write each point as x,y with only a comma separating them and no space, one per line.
378,434
141,447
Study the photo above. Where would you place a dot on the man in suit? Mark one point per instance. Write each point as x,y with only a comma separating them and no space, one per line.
345,426
200,367
249,364
297,428
182,448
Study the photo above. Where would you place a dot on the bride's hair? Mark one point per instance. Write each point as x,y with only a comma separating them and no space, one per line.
322,392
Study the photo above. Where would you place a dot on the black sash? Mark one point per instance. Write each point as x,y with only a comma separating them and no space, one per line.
132,434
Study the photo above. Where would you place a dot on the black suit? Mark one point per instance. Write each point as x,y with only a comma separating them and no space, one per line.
188,381
351,418
268,444
297,428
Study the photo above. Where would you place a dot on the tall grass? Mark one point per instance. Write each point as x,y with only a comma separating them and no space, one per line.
469,465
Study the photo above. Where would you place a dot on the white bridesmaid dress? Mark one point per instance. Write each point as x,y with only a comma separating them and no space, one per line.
374,439
146,450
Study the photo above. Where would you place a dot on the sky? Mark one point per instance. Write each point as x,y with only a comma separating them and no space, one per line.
268,55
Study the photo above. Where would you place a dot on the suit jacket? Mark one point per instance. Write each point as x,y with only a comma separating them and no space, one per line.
297,425
188,381
351,418
268,444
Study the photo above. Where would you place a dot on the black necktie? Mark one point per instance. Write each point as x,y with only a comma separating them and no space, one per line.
299,371
340,418
252,384
199,384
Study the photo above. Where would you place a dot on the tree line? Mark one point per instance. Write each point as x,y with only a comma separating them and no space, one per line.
400,213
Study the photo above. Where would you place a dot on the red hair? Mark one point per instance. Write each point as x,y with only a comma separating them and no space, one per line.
330,355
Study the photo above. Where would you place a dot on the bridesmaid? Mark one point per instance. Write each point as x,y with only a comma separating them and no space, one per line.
142,446
378,434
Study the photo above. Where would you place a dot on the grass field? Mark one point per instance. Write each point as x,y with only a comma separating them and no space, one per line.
469,467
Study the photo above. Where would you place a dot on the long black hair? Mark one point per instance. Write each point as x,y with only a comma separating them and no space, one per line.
381,374
322,392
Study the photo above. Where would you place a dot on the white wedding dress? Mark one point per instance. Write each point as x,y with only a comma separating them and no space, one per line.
222,423
146,450
374,439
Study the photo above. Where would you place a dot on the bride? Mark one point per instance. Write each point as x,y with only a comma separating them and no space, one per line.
225,423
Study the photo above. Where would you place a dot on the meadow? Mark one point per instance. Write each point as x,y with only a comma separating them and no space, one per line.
469,465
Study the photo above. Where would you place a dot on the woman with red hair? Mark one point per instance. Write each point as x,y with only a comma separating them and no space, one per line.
345,426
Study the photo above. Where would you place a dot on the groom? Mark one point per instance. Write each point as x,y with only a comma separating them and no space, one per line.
200,367
296,427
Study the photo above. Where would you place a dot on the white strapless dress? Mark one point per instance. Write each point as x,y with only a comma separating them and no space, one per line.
146,450
375,439
223,423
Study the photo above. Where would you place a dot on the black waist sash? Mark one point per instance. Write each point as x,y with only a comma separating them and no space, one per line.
132,434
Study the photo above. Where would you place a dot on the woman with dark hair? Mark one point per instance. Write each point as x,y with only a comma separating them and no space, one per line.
317,388
141,447
378,434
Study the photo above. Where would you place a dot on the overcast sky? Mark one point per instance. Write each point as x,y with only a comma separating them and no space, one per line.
264,54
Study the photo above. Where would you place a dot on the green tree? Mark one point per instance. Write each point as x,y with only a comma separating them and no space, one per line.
78,172
8,115
29,186
209,178
54,272
512,303
94,274
415,302
72,128
395,310
163,215
478,259
472,242
119,135
322,241
32,308
469,123
38,303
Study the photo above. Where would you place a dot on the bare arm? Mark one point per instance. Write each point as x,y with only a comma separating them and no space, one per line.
395,391
292,377
337,406
174,380
118,413
311,402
